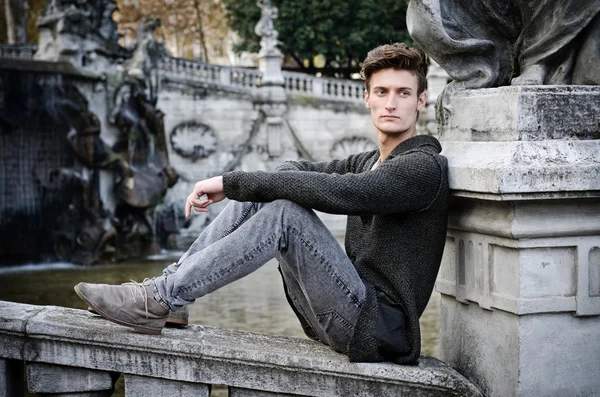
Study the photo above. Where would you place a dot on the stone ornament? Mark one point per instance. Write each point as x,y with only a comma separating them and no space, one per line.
193,140
490,43
354,144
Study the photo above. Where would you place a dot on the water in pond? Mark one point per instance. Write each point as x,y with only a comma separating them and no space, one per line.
255,303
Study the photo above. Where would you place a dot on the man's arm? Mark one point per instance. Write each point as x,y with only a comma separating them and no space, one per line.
343,166
406,183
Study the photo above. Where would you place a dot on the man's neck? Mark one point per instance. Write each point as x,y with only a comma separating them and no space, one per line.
387,143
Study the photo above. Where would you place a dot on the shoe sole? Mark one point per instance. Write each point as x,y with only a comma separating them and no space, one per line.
137,328
171,321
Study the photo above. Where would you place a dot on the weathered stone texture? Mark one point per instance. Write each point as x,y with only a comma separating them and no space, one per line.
142,386
49,378
205,355
519,278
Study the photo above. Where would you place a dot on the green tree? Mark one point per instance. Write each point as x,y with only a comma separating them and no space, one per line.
339,31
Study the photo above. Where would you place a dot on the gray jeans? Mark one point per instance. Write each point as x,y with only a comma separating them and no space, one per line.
321,282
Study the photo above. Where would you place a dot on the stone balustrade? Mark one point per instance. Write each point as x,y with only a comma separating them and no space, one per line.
329,88
250,79
69,352
21,51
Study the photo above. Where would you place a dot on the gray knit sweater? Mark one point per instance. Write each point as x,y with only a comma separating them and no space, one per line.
394,237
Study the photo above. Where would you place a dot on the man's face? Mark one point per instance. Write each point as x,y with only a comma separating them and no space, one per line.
394,101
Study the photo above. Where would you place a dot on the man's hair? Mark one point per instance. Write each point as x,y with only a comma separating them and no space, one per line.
396,56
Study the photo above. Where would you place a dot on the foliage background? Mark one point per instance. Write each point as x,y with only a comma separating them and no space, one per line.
327,36
330,37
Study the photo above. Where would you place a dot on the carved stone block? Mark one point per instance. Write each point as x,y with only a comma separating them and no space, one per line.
54,379
142,386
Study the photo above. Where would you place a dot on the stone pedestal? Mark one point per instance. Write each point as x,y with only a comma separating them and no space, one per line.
520,278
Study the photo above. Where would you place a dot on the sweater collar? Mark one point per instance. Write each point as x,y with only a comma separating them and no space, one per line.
417,141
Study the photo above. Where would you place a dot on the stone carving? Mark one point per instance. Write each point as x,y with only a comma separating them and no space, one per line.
193,140
143,64
55,210
488,43
354,144
81,32
265,28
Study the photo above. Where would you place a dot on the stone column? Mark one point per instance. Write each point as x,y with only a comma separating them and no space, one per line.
520,278
271,97
62,381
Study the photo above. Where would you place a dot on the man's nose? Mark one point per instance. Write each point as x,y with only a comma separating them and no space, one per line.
390,103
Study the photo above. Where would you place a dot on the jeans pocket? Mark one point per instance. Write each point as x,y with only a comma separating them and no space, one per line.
391,328
337,328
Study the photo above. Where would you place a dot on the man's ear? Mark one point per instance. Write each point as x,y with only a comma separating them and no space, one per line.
422,101
367,104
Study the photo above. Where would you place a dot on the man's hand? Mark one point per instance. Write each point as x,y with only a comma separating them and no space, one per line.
212,188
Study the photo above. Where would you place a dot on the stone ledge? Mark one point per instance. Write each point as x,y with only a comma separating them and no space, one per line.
522,113
524,170
200,354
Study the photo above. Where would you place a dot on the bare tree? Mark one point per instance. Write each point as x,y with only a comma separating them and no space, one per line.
186,25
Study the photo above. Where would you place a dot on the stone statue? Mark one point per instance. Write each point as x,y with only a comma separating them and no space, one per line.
81,32
265,28
143,65
490,43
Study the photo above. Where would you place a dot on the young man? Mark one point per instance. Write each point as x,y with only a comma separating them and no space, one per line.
364,301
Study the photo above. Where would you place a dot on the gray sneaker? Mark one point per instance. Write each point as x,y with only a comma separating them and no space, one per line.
131,304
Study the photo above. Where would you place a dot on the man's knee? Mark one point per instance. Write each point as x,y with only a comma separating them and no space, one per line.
289,208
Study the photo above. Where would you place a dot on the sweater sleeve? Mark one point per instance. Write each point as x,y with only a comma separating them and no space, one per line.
349,164
406,183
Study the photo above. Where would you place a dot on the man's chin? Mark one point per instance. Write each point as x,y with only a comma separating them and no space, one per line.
393,133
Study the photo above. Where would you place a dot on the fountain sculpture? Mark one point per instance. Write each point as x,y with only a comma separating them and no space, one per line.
83,150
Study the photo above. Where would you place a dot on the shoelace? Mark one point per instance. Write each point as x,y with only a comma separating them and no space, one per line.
140,288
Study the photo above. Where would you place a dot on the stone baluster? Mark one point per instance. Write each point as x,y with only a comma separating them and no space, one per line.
62,381
317,87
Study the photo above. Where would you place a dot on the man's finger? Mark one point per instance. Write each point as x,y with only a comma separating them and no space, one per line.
201,203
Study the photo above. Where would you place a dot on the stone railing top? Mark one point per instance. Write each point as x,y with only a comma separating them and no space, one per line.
209,355
21,51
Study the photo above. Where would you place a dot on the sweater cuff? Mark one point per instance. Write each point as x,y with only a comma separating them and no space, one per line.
231,184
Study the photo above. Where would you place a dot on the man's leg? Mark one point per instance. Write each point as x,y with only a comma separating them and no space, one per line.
321,281
328,289
228,220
